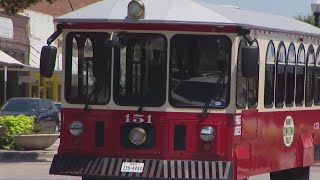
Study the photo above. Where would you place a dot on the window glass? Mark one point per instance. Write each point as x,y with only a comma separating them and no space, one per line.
140,70
269,73
280,75
317,81
87,68
290,77
310,74
300,72
21,105
200,71
241,81
253,84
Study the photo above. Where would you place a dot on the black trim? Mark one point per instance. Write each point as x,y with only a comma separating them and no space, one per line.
99,134
317,152
180,137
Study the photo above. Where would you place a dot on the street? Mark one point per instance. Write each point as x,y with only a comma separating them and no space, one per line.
39,171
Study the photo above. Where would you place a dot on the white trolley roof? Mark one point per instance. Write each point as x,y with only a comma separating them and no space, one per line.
187,12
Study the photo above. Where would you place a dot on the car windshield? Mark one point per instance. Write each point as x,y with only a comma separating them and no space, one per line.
21,105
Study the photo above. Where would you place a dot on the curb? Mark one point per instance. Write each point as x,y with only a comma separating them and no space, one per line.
31,155
26,156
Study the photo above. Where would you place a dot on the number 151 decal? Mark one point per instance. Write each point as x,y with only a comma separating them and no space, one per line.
137,118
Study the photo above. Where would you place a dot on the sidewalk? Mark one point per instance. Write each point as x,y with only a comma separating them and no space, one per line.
30,155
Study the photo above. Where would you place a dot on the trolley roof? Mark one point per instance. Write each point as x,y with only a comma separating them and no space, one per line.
187,11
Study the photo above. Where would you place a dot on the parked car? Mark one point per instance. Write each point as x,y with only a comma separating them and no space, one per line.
58,106
44,110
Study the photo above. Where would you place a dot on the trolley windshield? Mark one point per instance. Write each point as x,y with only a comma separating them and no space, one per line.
200,71
140,70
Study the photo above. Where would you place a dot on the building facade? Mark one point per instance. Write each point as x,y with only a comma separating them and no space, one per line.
14,40
22,37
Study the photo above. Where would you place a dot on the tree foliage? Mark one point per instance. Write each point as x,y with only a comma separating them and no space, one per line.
14,6
15,125
305,18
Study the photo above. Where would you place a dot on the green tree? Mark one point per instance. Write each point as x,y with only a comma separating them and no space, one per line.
305,18
14,6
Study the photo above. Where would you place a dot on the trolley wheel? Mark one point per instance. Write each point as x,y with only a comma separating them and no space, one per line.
302,173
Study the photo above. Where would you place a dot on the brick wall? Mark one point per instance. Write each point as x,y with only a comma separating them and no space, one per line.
20,42
60,7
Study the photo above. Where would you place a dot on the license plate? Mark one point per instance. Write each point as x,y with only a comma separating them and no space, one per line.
132,167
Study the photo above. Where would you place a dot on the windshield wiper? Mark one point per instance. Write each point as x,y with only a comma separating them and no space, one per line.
89,97
140,109
215,96
95,90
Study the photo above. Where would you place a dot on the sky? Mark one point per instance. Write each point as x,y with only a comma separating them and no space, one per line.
289,8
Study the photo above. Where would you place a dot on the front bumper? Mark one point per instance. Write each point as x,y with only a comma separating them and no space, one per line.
63,164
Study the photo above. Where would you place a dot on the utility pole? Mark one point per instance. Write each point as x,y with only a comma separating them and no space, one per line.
315,8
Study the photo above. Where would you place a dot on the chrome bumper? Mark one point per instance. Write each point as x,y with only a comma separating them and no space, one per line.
111,167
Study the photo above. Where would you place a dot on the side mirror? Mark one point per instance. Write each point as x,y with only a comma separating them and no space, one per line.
250,61
112,41
47,60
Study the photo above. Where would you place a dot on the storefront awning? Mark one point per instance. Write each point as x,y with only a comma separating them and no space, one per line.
15,65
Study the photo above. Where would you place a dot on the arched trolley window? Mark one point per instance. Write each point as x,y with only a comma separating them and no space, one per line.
300,72
310,75
269,75
280,75
290,75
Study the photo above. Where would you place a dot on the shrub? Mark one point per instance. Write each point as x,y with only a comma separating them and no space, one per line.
15,125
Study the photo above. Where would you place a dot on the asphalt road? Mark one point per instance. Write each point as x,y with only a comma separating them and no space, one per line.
39,171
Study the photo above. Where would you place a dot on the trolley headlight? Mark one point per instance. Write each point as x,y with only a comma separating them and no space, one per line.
207,133
136,8
76,128
137,136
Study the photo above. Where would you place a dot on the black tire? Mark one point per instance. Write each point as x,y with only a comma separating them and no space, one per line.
302,173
